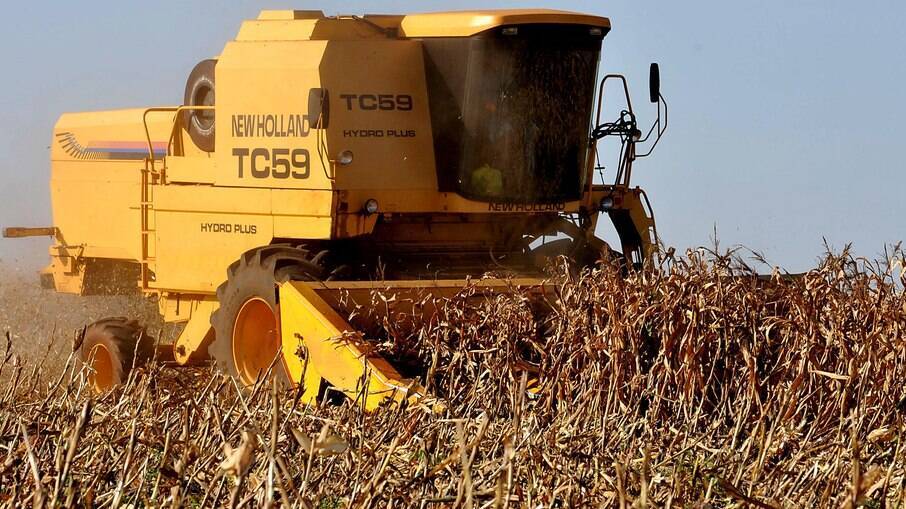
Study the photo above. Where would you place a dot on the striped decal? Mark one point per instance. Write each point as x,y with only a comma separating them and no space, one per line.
116,150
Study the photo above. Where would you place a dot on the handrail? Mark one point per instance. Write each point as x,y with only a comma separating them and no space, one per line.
159,109
601,94
176,110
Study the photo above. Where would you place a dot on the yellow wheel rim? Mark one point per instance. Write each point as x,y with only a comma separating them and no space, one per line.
101,375
256,340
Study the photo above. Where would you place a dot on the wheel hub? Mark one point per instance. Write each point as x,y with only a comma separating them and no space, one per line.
256,339
101,374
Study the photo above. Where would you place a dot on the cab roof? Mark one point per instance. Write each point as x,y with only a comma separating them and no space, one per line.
437,24
465,23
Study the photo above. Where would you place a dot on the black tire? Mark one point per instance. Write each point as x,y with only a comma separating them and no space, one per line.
582,254
118,341
200,92
551,250
255,276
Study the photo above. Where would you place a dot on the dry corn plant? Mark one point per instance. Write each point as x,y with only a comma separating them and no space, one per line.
694,384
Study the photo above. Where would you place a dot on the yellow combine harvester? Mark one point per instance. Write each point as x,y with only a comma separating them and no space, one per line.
342,154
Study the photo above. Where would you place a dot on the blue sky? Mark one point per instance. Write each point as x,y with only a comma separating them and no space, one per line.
785,117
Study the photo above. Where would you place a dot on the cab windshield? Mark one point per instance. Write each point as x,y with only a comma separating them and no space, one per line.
524,110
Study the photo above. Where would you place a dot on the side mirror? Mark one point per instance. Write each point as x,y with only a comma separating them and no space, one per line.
654,83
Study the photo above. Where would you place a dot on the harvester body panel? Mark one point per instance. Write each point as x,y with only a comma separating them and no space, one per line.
95,163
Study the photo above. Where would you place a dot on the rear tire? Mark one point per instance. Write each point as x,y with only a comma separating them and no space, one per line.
247,323
111,348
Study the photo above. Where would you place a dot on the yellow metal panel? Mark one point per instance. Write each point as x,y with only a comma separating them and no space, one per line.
255,129
276,30
85,135
300,202
95,204
269,14
307,29
335,349
302,214
392,148
191,346
212,199
198,169
180,307
201,230
67,277
194,249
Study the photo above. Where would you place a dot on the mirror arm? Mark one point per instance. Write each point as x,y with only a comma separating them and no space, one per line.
661,128
651,130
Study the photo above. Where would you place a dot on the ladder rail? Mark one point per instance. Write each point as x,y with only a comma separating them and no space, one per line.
151,176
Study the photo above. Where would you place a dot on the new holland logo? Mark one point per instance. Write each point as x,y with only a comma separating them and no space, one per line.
115,150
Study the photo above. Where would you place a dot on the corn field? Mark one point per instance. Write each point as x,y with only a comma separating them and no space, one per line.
692,384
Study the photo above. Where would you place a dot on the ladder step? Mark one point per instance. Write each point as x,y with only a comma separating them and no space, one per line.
148,231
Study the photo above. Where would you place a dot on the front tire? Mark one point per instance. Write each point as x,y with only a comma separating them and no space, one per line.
247,325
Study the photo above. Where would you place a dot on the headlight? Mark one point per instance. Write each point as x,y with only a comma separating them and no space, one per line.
606,203
345,157
371,206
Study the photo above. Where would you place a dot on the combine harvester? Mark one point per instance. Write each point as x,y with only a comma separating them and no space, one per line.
345,154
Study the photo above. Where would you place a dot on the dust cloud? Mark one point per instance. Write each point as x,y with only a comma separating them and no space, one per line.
42,323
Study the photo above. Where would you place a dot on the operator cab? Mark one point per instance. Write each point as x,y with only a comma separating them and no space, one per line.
511,110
